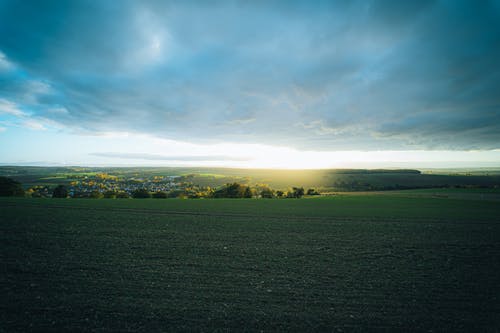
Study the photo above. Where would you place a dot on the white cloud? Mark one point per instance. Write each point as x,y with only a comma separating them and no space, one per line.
23,119
10,108
39,87
59,110
5,64
241,121
33,125
33,89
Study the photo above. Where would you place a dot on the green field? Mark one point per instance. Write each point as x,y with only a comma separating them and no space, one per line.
401,261
327,179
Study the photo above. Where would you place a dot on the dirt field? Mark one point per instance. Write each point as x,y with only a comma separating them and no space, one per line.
344,263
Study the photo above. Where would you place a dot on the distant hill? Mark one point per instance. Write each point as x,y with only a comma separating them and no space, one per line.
327,179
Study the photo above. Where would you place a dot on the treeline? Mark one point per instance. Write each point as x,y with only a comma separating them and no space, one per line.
236,190
231,190
10,187
375,171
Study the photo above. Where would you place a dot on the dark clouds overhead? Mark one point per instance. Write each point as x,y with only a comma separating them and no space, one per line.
364,75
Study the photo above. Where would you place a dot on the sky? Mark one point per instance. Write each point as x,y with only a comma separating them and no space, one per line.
281,84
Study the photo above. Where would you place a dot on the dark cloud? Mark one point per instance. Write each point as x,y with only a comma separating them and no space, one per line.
327,75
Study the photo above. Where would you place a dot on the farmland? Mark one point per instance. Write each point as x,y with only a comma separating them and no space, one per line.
165,179
417,260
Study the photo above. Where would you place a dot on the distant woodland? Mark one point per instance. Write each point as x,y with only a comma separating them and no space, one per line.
80,182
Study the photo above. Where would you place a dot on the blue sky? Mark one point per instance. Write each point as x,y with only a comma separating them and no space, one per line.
250,83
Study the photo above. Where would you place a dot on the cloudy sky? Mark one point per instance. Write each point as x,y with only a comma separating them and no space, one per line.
250,83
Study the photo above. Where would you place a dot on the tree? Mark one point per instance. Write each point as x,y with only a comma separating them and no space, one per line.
248,192
141,194
60,192
233,190
9,187
122,195
298,192
312,191
280,194
267,193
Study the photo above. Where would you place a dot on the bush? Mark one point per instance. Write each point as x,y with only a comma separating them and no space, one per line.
9,187
160,195
141,194
312,191
175,193
110,194
60,192
267,193
296,192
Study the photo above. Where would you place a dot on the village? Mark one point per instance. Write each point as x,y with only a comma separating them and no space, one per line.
105,185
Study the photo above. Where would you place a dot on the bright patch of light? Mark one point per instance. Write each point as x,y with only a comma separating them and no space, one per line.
131,149
266,156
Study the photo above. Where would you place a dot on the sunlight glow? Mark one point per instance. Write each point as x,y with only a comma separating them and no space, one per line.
131,149
157,151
